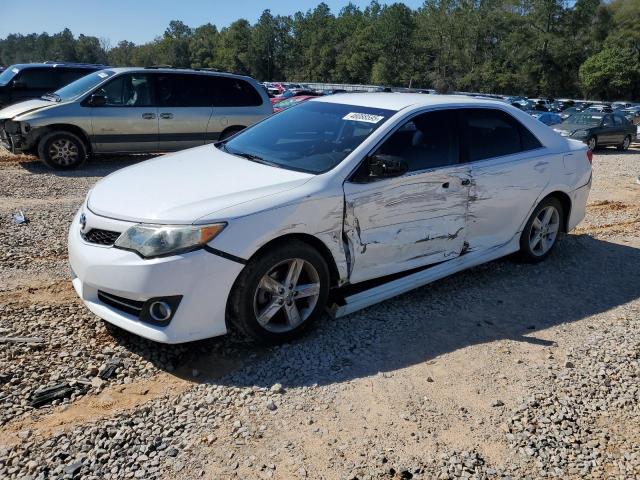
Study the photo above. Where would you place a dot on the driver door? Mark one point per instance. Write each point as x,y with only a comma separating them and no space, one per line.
414,219
128,122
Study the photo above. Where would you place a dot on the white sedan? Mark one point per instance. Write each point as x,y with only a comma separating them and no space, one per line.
340,202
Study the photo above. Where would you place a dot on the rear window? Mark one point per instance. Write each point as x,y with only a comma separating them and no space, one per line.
233,92
493,133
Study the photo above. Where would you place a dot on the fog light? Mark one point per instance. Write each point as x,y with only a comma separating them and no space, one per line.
160,311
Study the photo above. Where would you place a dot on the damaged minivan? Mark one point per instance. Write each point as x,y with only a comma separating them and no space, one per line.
335,204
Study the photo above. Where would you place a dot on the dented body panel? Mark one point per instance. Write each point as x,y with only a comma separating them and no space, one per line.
403,223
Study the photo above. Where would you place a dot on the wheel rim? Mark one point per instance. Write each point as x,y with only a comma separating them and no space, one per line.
592,143
63,152
544,230
286,295
626,142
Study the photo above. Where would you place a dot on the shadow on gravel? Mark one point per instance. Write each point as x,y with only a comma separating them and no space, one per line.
500,300
94,167
633,150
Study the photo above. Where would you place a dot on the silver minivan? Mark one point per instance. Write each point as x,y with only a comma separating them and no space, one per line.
132,110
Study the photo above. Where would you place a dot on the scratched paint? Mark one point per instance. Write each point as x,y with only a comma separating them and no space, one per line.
402,223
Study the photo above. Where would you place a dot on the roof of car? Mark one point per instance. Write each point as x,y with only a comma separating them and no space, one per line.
21,66
162,69
398,101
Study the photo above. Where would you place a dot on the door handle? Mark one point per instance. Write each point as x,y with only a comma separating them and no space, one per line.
148,116
465,182
166,116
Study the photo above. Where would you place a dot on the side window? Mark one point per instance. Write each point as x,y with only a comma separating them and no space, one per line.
67,76
36,78
183,90
132,90
619,120
426,141
608,121
493,133
233,92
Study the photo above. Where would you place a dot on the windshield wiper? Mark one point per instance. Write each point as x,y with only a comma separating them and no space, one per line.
53,95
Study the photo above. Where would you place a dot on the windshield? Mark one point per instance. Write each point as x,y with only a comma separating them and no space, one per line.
82,85
8,74
311,137
584,119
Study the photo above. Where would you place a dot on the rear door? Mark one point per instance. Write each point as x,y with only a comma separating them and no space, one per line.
128,122
419,218
185,106
509,169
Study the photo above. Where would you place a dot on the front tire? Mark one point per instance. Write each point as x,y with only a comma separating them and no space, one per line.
592,143
62,150
540,234
280,293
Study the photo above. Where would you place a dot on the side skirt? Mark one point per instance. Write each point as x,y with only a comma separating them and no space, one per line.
405,284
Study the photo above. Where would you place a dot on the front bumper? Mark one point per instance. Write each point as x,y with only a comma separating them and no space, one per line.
202,278
13,139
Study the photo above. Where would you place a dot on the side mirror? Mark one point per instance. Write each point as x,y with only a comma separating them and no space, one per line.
97,100
385,166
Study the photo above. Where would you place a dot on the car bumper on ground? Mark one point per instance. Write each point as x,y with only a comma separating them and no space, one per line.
201,280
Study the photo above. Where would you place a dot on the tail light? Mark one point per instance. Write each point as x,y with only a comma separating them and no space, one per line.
590,156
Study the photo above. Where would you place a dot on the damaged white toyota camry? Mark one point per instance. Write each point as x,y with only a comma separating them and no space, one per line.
340,202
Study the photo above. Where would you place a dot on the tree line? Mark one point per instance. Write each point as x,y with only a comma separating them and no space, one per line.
558,48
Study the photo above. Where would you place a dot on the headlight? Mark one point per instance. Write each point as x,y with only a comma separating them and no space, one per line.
161,240
580,133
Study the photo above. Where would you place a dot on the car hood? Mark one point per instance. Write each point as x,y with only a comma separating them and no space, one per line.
182,187
21,108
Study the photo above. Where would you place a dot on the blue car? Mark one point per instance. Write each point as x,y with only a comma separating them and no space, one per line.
548,118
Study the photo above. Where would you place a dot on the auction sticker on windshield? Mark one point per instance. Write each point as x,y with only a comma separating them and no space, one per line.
362,117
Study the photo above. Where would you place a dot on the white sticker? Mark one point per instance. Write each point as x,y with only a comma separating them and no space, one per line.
102,75
15,70
362,117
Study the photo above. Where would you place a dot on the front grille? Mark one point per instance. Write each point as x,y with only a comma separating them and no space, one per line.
132,307
100,237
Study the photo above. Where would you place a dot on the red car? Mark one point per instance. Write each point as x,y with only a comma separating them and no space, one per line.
292,93
290,102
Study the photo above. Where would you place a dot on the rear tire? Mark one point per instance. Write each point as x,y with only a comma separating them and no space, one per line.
592,143
625,143
268,308
62,150
540,234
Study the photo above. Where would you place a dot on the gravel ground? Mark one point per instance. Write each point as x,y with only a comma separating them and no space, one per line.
503,371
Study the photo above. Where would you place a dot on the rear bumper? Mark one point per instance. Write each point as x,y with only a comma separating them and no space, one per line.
579,204
202,279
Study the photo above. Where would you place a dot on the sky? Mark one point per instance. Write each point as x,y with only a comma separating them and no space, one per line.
140,21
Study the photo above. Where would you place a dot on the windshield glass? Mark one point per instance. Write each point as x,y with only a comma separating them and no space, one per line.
311,137
584,119
8,74
82,85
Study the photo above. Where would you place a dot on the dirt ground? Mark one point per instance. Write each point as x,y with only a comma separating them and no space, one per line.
503,371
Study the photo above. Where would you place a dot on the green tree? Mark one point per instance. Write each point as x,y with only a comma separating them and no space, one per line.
611,74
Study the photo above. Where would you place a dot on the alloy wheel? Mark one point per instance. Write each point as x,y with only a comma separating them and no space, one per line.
592,143
63,152
544,230
626,142
286,295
